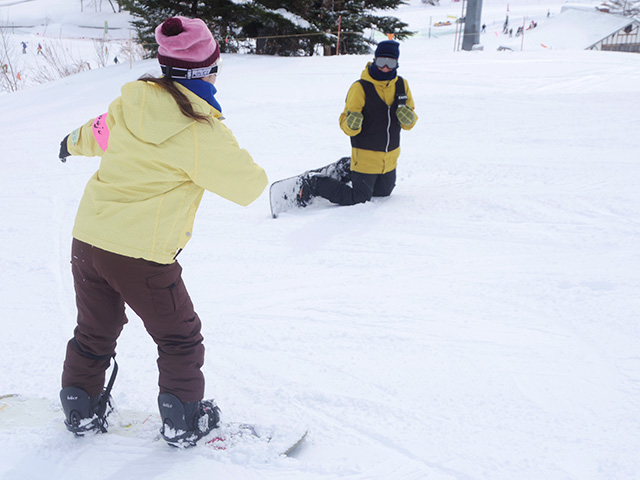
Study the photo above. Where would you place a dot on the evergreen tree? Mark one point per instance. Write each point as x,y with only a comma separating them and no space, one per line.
148,14
355,17
289,27
278,31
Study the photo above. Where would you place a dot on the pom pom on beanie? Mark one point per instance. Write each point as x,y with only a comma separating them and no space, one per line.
172,27
186,43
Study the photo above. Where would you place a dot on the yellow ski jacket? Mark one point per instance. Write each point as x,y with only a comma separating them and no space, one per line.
369,161
143,199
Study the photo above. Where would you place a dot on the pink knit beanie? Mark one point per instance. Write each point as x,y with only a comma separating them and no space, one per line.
186,44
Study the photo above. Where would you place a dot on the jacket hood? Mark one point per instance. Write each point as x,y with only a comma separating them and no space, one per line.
144,108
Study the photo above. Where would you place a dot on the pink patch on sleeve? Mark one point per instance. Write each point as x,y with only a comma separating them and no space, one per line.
101,131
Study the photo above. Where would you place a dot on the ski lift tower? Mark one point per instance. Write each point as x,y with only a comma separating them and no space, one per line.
472,22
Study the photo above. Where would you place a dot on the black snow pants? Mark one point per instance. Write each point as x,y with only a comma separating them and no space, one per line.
363,187
104,282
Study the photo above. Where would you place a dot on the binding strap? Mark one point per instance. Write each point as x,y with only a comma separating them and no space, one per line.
104,398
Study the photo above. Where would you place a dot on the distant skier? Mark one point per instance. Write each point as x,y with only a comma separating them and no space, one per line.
24,47
115,60
39,50
162,145
378,107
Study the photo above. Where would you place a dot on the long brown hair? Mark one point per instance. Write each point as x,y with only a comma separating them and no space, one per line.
185,106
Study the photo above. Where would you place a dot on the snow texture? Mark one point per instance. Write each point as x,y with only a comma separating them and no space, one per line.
480,323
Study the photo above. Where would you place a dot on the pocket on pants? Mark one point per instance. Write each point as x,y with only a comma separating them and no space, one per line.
168,291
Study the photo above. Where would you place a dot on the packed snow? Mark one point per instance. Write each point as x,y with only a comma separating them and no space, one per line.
480,323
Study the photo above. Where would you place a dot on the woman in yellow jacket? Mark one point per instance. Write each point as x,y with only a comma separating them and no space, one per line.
378,107
162,145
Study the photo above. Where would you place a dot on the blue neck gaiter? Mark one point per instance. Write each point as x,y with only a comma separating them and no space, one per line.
378,74
203,89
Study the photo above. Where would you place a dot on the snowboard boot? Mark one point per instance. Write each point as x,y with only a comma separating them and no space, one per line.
83,413
307,189
183,424
343,170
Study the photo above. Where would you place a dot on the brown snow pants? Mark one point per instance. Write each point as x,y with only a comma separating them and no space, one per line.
104,282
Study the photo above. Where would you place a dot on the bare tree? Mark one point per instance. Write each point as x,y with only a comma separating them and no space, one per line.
102,51
11,78
628,8
59,63
114,8
131,51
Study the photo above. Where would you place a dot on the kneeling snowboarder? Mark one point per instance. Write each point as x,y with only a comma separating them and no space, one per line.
377,108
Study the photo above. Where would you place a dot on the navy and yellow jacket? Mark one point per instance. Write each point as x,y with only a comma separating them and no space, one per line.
374,159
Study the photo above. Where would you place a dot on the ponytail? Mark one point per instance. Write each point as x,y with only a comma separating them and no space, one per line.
185,106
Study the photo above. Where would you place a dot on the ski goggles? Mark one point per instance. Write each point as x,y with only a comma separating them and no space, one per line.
386,62
191,73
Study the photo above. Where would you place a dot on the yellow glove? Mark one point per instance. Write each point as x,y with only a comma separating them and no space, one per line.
405,115
354,120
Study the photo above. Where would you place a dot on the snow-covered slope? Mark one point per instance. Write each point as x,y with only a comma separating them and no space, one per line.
481,323
576,29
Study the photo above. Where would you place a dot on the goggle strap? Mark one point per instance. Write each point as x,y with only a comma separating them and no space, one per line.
188,73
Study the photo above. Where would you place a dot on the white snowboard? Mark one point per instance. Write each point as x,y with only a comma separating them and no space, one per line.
283,194
31,415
